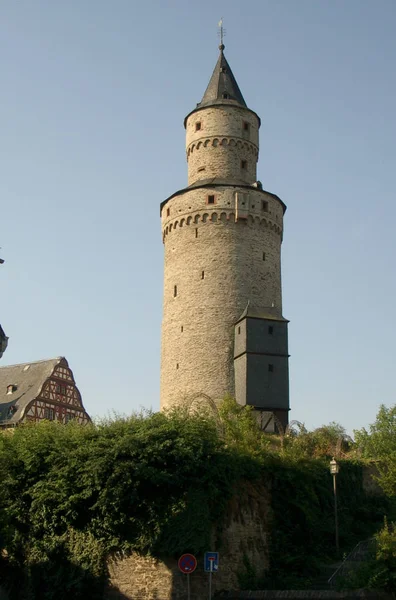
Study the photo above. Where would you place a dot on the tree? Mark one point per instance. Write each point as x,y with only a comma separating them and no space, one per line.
379,443
241,428
326,441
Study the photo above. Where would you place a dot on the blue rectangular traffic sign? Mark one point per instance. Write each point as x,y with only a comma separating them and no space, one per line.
211,562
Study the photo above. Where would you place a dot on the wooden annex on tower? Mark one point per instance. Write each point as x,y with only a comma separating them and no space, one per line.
40,390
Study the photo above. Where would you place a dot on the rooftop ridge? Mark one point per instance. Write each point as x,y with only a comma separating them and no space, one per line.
33,362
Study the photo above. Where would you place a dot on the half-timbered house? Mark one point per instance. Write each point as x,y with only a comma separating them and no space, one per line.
40,390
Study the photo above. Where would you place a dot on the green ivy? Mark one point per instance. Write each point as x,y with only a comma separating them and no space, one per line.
156,484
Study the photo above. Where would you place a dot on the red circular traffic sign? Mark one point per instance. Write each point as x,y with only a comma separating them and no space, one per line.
187,563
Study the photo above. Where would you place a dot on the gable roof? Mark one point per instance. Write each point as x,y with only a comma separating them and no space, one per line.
28,379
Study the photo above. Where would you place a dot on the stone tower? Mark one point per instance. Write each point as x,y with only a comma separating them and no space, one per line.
223,331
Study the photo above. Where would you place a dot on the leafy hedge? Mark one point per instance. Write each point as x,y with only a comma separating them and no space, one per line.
155,484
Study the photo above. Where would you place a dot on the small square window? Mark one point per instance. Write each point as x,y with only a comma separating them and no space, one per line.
265,205
226,96
243,164
198,126
270,330
167,212
211,199
271,368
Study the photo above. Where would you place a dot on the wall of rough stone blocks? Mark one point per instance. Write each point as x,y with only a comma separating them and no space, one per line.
214,265
221,143
245,537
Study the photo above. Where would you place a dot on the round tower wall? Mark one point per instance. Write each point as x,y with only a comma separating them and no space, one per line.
222,141
216,261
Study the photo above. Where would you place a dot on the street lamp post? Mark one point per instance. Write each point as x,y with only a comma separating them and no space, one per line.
334,469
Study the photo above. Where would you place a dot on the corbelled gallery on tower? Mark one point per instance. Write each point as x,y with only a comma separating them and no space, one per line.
223,331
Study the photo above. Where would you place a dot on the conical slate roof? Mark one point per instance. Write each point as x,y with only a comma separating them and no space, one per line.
222,85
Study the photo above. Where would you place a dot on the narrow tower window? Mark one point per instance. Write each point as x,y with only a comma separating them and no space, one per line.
167,212
203,275
201,169
270,330
246,126
244,164
226,96
198,126
263,255
271,368
177,365
175,291
239,330
211,199
265,205
181,328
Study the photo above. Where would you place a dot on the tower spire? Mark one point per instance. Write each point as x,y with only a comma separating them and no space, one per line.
222,85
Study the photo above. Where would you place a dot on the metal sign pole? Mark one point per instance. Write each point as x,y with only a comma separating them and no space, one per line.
188,586
210,580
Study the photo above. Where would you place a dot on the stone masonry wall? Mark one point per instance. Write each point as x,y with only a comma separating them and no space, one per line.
227,135
213,267
244,538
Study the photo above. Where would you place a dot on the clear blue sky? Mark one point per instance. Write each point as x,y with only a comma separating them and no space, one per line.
93,97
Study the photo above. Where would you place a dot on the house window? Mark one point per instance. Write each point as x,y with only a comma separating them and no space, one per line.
271,368
198,126
211,199
244,164
69,417
167,212
246,126
49,414
265,205
270,330
175,291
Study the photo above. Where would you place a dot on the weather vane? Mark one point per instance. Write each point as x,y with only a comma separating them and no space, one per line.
221,33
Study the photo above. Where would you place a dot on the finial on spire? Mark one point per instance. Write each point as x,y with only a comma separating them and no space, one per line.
221,34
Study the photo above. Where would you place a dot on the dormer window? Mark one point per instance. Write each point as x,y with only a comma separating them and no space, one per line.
11,388
223,69
226,96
